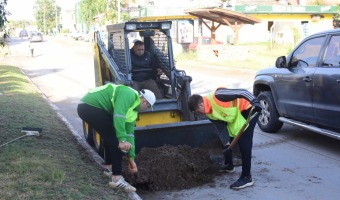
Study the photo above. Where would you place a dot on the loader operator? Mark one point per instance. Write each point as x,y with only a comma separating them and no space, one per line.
226,108
144,70
112,111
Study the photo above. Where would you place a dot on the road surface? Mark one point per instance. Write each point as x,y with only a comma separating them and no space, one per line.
292,164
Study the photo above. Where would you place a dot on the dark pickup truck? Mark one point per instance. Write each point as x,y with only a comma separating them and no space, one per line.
303,89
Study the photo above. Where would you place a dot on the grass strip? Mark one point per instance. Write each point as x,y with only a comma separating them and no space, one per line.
49,166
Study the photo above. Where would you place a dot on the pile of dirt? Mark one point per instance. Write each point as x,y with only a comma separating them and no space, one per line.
170,167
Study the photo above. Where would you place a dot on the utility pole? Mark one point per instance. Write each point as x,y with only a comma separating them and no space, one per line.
56,17
118,14
44,20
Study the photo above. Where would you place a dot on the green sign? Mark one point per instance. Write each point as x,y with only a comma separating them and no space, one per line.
256,9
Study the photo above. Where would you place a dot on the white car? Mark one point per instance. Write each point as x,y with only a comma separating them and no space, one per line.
36,36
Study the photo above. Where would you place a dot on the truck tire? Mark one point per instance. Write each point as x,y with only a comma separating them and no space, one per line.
269,118
98,143
88,133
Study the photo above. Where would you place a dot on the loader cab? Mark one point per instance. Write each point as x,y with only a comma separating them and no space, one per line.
156,40
113,64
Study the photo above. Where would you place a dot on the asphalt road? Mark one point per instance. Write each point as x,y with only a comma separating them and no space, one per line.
292,164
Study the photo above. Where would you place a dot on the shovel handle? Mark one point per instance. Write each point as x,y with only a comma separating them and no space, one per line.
244,126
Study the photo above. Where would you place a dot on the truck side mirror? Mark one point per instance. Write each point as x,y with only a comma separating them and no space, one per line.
281,62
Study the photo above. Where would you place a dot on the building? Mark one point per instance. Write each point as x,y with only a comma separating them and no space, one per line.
282,21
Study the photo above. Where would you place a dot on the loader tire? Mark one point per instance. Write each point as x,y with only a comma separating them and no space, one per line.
98,143
88,133
269,118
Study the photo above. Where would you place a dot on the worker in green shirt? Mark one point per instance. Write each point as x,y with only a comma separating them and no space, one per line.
112,111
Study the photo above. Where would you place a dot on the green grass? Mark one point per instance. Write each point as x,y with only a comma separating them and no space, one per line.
50,166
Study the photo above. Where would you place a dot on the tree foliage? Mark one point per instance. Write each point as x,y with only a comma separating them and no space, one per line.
3,12
91,8
45,12
108,9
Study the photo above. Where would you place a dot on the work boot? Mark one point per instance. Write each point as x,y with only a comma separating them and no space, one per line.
123,185
228,168
242,182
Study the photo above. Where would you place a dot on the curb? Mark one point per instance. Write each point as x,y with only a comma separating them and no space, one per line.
81,141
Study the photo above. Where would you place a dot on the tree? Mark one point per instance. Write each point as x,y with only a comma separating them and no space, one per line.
91,8
45,12
112,11
3,18
3,13
109,8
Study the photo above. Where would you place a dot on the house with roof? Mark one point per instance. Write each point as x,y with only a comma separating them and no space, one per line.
281,21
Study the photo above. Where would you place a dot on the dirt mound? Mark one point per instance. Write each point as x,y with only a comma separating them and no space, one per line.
170,167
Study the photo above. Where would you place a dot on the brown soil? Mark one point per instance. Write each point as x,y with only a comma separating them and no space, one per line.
169,168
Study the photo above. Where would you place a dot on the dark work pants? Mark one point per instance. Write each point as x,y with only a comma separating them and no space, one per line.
245,142
150,85
102,122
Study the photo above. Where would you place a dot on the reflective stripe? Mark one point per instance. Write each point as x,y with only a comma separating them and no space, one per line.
119,115
130,135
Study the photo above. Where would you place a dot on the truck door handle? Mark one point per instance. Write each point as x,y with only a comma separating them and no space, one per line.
307,79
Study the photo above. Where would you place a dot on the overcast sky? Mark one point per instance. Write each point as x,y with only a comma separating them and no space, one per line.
23,9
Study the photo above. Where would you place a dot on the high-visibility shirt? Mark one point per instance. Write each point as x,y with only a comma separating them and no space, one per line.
120,101
222,98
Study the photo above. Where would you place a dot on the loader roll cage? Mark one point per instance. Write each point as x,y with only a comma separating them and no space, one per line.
116,65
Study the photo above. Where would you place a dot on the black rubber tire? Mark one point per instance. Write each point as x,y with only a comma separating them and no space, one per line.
98,143
88,133
269,118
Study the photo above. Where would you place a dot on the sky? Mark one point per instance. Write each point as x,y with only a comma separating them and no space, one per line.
23,9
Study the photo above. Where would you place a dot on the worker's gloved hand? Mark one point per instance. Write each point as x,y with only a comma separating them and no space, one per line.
257,105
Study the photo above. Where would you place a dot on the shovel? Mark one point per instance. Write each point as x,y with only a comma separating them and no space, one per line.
251,115
28,132
130,162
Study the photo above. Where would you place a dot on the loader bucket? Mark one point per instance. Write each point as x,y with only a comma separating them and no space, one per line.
196,134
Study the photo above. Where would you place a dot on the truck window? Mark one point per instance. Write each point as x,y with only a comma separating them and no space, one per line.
332,57
306,55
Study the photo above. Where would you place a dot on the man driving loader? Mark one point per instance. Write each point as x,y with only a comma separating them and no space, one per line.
227,110
144,69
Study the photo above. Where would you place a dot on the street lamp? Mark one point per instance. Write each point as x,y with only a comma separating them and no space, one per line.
56,17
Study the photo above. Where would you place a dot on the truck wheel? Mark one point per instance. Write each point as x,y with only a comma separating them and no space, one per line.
269,118
88,133
98,143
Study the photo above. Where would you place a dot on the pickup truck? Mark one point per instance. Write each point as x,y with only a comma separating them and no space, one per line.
303,89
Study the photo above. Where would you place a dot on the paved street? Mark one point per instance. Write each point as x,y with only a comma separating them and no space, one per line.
292,164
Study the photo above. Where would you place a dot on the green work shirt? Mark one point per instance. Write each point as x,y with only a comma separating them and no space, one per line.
120,101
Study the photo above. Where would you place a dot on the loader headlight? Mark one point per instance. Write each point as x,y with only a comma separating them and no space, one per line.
166,26
131,26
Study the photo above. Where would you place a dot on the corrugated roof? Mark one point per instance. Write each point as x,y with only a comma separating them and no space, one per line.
220,14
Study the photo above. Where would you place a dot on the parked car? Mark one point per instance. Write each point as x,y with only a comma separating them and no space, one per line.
23,33
303,89
205,40
36,36
77,35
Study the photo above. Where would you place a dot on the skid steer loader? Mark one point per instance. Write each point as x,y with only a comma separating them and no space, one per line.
169,122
